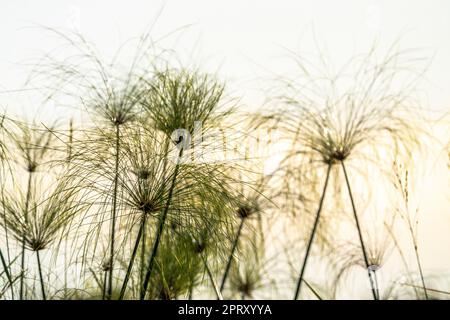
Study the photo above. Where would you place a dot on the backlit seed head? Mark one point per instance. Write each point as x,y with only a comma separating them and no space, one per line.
106,266
147,207
245,210
374,267
119,119
199,246
142,174
339,155
37,244
174,225
31,167
246,288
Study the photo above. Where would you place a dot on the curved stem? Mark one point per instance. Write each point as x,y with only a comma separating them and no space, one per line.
313,232
160,228
230,258
133,256
40,275
358,227
114,214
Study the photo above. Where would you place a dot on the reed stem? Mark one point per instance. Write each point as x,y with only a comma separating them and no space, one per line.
8,274
230,258
313,232
22,260
133,255
358,227
419,264
160,229
114,214
213,282
105,280
377,288
141,271
41,278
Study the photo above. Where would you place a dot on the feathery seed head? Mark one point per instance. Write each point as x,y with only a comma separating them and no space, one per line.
362,110
39,218
177,99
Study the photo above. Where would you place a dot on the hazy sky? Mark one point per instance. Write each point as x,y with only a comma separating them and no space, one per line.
243,40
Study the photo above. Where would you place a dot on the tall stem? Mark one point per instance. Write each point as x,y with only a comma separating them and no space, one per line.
191,292
375,279
114,214
141,269
314,291
211,278
230,258
420,270
160,228
358,227
8,274
105,280
133,255
40,275
416,249
5,266
313,232
22,260
22,269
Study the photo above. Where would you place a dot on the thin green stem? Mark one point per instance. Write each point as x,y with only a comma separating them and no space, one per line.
375,278
105,280
8,274
191,292
358,227
416,249
41,278
160,228
141,270
211,278
314,291
419,264
133,255
22,270
313,232
22,260
230,257
114,214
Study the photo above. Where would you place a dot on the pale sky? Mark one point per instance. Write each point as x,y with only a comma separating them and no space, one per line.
243,40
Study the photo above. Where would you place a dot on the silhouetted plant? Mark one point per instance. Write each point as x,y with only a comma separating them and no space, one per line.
354,114
177,100
38,219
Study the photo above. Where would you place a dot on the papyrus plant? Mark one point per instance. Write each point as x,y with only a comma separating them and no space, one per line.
350,116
